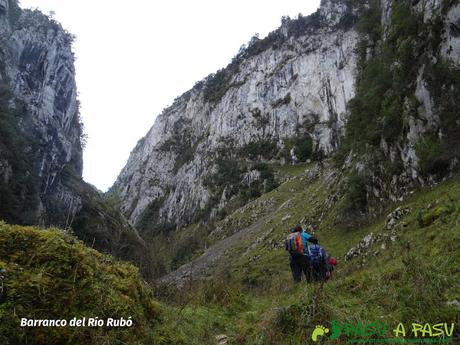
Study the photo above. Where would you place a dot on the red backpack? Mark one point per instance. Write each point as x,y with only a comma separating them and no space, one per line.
332,261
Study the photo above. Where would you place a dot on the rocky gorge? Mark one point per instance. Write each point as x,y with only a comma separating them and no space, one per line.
345,122
338,83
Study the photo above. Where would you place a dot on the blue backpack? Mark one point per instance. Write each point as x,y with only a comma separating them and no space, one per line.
315,253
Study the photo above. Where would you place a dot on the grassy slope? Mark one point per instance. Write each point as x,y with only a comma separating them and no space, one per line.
253,301
48,274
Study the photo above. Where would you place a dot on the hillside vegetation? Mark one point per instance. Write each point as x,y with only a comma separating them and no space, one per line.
408,273
385,203
48,274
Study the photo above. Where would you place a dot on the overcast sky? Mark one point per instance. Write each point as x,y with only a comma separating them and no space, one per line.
134,57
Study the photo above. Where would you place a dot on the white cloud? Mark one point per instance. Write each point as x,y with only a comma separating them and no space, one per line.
134,57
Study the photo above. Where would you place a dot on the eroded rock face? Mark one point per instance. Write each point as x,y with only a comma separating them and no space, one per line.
38,67
451,44
301,86
306,83
426,117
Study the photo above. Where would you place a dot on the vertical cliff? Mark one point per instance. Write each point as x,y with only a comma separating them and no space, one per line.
279,94
42,137
37,73
402,131
292,97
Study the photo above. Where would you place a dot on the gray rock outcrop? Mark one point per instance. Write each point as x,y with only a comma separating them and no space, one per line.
38,67
300,86
297,83
41,139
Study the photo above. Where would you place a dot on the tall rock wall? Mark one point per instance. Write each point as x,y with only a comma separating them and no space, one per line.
298,85
41,139
295,83
38,68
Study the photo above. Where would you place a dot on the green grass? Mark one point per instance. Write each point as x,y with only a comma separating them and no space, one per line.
48,274
252,299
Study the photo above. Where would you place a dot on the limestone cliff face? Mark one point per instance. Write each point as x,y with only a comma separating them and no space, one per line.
41,138
299,83
38,67
449,50
425,119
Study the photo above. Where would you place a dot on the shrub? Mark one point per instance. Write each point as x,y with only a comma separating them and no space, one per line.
180,143
384,99
385,81
356,196
428,217
150,223
429,152
217,85
302,145
303,148
263,148
14,12
282,101
229,178
369,22
392,124
187,245
183,157
444,84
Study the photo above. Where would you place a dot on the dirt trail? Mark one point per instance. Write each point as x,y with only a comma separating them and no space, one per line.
202,267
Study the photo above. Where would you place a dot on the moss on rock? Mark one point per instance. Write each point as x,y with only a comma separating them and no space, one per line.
49,274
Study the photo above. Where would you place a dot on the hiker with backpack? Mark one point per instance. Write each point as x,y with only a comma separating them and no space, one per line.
317,255
297,246
321,263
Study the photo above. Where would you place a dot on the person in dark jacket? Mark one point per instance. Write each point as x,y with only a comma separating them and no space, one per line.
297,246
319,262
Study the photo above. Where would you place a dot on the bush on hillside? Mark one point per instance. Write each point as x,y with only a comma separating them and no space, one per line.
302,145
430,154
265,148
